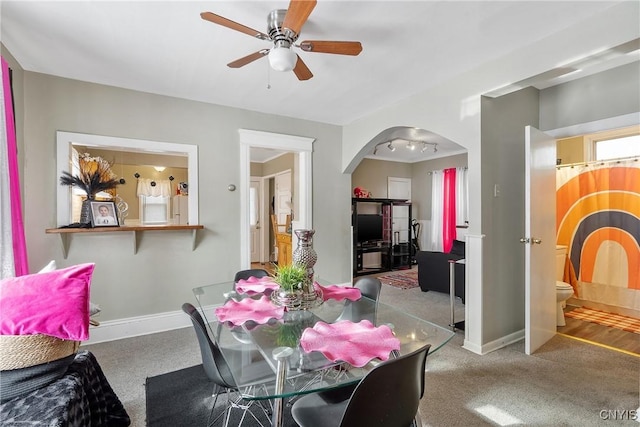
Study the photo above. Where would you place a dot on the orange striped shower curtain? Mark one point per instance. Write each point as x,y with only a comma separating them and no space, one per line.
598,219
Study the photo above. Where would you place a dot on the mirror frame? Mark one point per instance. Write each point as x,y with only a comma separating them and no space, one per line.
65,140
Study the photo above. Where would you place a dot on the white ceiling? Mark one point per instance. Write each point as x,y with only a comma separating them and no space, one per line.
166,48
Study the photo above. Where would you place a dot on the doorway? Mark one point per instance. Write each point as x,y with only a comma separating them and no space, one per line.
302,180
583,330
597,188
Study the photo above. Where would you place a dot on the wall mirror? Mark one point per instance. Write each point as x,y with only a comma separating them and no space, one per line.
141,156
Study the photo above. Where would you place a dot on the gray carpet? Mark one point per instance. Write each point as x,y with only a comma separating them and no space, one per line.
565,383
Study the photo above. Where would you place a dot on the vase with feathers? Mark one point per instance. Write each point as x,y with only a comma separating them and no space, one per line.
94,176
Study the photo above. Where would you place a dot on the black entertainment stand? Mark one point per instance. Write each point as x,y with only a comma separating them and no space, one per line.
361,249
373,219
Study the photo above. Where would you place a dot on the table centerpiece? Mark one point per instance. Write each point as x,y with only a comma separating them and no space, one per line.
290,278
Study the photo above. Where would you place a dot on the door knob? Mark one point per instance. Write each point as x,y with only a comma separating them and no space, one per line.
524,240
536,241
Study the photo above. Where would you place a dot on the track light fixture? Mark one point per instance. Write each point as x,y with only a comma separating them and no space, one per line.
411,145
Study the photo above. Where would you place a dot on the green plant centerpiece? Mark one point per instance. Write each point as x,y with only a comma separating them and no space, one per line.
291,278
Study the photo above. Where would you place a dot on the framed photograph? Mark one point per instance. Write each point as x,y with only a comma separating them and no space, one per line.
104,214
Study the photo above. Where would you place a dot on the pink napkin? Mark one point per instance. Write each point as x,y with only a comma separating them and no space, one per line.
257,310
354,343
254,285
338,293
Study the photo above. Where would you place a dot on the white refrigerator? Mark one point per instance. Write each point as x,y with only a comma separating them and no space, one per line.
180,209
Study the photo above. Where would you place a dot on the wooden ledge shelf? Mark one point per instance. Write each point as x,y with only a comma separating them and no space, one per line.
64,233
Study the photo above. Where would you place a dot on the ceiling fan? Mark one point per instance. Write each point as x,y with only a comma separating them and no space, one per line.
283,27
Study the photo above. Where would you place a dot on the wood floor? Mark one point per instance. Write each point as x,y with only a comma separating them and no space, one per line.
266,266
611,337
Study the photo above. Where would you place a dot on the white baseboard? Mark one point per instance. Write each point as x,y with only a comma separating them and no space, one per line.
472,347
495,344
135,326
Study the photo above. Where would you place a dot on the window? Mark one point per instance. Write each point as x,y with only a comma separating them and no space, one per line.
616,148
154,209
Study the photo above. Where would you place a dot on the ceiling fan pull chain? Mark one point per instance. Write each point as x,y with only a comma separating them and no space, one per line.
268,76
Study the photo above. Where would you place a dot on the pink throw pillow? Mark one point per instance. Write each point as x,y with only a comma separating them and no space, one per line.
54,303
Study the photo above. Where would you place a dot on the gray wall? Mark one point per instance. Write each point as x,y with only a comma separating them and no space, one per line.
421,182
159,278
372,175
503,123
612,93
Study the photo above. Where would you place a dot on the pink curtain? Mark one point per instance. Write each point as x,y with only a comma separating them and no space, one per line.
17,225
449,210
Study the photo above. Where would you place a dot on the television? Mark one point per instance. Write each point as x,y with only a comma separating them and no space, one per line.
369,227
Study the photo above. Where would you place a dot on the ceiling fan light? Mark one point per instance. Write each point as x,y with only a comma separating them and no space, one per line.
282,59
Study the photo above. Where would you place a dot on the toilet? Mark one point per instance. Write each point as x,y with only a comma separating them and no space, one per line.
564,291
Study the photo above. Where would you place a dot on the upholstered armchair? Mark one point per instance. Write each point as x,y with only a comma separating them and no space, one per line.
433,270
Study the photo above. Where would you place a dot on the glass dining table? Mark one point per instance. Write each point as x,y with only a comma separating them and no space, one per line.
268,361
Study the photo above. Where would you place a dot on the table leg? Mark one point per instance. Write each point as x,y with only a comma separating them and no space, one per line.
452,292
281,355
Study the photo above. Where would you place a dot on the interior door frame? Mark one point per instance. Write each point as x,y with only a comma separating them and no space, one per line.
301,145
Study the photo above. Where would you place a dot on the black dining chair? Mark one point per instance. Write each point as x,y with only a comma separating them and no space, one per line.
388,396
245,274
219,373
356,311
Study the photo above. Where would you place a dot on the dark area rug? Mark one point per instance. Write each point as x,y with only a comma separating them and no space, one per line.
183,398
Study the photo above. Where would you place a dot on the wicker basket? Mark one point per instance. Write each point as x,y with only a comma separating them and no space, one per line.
23,351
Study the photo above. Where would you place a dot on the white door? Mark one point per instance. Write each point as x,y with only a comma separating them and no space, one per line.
254,219
283,196
400,188
539,238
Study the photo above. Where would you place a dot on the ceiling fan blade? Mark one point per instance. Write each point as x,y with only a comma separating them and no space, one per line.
297,14
248,59
301,70
217,19
338,47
